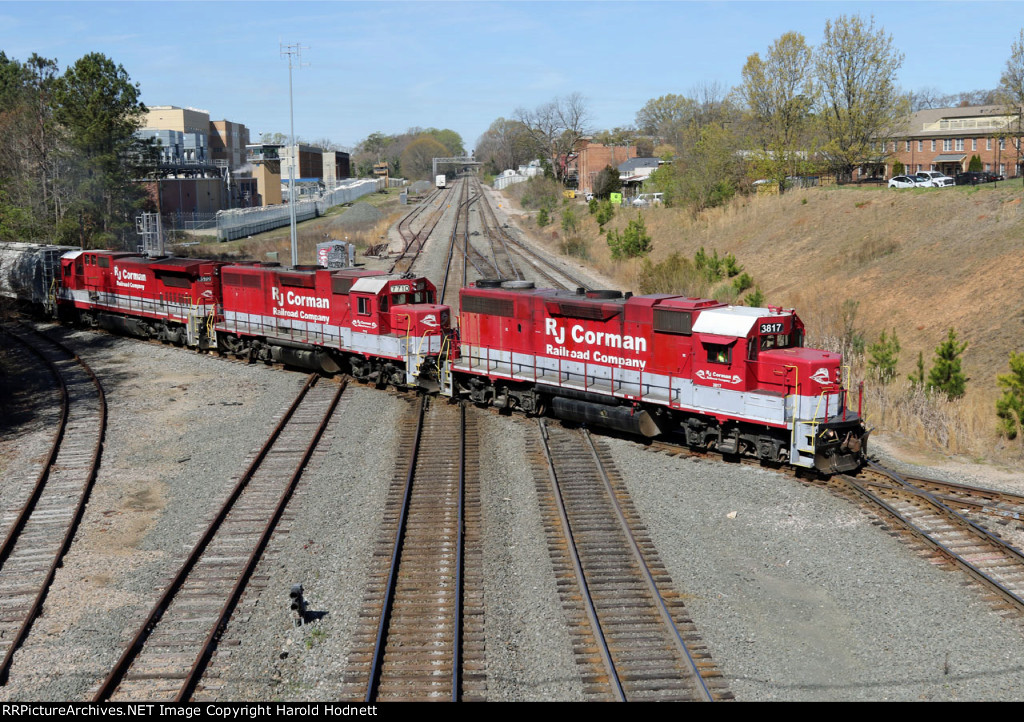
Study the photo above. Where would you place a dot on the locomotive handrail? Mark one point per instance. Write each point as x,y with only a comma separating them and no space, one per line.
796,410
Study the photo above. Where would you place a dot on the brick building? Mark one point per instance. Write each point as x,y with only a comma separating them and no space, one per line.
592,158
944,139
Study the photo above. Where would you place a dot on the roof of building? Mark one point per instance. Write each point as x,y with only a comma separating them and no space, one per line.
977,120
634,163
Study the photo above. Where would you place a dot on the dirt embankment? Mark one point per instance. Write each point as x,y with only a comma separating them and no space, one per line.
917,261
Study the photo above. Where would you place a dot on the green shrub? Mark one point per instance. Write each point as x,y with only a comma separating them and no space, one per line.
1010,408
576,247
633,242
883,357
756,298
946,375
570,223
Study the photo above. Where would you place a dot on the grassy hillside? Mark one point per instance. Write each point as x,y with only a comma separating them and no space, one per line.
920,261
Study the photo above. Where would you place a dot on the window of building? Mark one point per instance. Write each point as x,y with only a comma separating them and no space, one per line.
1002,144
988,144
920,146
974,144
1002,169
933,145
906,147
959,143
947,144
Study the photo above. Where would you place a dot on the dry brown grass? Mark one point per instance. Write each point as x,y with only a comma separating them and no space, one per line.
308,234
918,261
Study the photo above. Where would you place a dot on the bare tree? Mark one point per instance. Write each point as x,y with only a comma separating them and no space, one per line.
558,127
506,144
1011,88
925,99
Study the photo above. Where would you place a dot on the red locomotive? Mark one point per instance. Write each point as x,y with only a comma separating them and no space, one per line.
171,299
383,328
731,378
734,379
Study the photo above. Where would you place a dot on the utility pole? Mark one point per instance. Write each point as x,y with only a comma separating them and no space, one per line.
292,50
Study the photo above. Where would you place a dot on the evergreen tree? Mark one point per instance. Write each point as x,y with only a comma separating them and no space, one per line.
975,164
607,182
756,298
632,242
917,378
99,106
883,357
1010,408
605,212
946,375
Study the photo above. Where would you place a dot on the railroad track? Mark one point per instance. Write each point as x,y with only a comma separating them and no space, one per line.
422,632
944,519
926,510
413,241
166,658
634,640
39,533
496,237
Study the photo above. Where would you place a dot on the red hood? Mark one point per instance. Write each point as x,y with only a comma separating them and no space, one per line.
815,370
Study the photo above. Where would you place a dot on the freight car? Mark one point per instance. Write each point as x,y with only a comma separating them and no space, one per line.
28,272
733,379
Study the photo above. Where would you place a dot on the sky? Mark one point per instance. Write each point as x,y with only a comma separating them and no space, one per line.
388,66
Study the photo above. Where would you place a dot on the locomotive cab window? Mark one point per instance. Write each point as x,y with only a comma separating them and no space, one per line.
771,341
719,353
363,306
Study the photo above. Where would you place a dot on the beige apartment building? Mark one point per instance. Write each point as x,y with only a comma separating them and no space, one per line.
184,120
944,139
227,143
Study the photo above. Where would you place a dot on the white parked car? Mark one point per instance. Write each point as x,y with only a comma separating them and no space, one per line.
935,179
907,181
649,199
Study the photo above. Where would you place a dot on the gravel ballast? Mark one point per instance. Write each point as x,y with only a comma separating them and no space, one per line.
798,594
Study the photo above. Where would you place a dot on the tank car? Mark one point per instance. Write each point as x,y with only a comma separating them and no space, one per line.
728,378
382,328
29,273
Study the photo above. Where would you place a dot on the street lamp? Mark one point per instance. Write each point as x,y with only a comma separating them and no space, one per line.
292,50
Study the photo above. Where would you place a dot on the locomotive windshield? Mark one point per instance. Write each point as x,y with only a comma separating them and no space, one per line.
417,297
775,340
